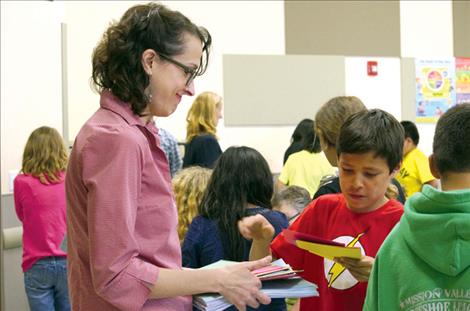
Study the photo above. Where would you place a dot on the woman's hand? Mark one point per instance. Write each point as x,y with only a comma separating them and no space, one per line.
256,228
240,287
359,268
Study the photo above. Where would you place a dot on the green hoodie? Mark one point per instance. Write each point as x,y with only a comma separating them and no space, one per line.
424,264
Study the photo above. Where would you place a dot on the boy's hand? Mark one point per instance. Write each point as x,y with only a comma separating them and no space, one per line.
256,228
240,287
359,268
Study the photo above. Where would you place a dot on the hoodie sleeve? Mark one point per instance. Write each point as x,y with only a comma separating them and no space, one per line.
372,296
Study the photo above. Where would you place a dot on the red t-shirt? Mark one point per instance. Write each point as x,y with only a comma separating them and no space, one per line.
328,217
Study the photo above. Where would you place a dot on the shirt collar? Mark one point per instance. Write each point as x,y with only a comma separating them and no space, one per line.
110,102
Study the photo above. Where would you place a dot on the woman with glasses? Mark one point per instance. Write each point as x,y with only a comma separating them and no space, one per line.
124,251
202,148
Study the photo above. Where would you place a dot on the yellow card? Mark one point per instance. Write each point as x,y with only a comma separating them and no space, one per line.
329,251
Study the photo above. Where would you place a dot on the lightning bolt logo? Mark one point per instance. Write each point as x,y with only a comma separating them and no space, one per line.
336,269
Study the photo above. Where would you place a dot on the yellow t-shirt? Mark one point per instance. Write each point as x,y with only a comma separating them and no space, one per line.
414,172
305,169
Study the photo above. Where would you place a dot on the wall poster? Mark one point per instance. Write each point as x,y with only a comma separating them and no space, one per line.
462,80
435,88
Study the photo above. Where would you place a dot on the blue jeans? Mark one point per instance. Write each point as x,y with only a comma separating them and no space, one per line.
46,285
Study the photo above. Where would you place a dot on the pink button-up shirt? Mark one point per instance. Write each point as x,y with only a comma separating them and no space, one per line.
41,209
121,214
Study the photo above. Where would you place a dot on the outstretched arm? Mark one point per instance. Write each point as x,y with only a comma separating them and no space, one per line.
258,229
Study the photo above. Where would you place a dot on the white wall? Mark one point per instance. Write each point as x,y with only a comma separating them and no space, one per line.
381,91
86,22
237,27
426,32
30,64
30,76
261,32
426,29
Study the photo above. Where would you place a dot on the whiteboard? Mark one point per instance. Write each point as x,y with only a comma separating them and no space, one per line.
279,89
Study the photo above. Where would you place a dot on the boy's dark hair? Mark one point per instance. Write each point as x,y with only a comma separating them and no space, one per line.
296,196
241,175
411,131
372,130
451,146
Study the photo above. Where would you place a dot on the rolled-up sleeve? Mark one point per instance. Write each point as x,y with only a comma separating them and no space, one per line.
112,165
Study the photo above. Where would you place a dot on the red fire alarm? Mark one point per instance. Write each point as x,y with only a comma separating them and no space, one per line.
372,68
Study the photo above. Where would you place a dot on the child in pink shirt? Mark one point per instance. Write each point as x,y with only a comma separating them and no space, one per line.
39,195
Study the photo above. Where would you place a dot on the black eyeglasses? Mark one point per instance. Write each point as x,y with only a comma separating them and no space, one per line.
191,73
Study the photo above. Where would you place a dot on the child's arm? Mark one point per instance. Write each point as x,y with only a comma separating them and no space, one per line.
258,229
359,268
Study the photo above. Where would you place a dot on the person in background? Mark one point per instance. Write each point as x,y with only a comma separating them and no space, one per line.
428,253
202,147
307,167
369,152
328,121
189,186
297,141
39,196
170,147
291,201
415,171
123,246
241,185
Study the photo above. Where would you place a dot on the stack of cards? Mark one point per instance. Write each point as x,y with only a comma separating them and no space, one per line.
276,271
279,281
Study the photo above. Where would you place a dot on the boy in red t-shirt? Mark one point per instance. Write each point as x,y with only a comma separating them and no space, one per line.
369,153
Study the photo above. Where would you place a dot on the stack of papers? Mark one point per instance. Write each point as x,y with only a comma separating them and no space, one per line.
279,281
276,271
321,247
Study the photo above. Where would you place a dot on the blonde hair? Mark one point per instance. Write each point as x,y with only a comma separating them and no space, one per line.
201,115
392,192
45,155
189,185
331,116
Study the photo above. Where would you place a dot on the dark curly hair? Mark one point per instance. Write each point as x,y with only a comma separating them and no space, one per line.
117,57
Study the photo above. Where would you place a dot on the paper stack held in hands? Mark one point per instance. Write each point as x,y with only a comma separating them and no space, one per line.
279,281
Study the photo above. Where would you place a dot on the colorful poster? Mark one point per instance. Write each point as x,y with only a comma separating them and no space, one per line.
435,88
462,80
